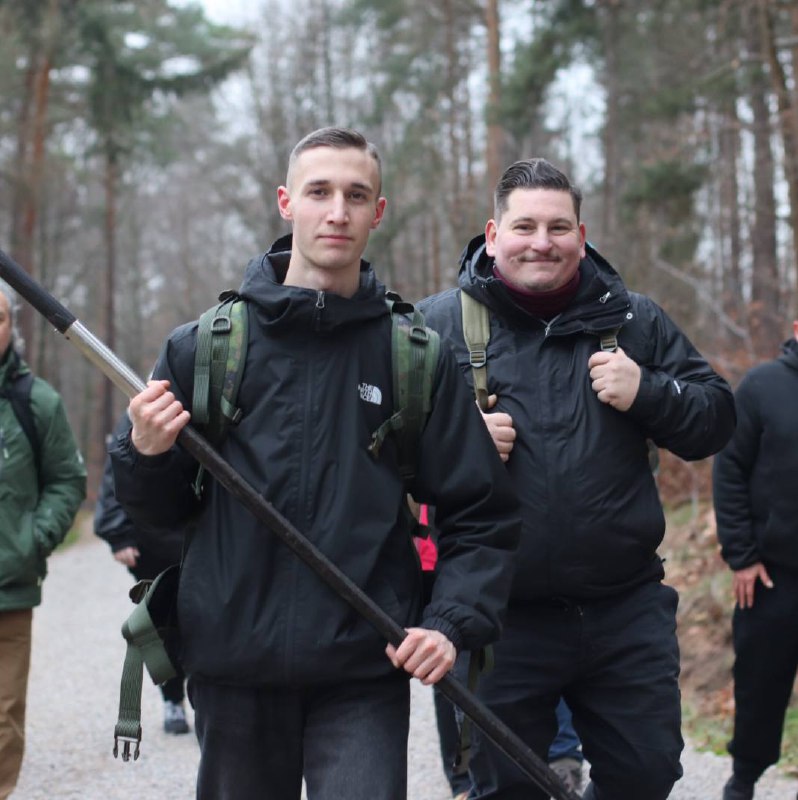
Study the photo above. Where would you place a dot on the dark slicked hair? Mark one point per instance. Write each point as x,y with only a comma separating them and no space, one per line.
340,139
533,173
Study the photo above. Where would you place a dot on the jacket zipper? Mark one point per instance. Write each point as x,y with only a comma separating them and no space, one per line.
551,322
319,309
3,451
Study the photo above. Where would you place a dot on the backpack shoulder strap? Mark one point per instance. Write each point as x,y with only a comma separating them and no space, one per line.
609,344
18,394
476,332
415,349
219,361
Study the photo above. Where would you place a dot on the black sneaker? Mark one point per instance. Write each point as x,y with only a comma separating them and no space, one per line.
174,717
735,789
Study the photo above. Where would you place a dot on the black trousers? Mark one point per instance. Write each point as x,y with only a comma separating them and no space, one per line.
348,740
766,660
616,663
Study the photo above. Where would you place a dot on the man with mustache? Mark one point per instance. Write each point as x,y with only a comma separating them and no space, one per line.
581,373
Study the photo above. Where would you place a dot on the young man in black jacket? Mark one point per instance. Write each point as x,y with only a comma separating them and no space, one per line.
581,373
285,678
757,512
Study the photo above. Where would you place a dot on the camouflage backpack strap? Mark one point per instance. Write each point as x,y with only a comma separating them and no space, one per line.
414,359
219,361
476,332
218,366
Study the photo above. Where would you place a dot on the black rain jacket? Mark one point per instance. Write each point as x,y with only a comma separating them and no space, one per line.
317,384
592,519
756,504
111,523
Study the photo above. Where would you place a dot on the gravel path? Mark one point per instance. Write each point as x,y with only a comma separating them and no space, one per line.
73,695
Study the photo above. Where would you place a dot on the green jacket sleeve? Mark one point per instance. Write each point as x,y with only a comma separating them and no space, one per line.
63,478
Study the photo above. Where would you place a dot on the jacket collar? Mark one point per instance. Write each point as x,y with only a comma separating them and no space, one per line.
281,306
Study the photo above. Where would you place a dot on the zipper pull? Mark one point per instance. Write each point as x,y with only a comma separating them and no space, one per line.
320,299
3,443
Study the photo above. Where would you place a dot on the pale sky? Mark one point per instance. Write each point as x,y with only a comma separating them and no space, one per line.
230,12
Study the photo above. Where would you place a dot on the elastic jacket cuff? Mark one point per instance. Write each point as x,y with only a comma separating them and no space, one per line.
451,632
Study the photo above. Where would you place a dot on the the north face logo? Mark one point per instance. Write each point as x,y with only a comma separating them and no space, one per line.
369,393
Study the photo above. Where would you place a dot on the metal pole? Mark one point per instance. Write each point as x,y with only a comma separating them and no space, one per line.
122,376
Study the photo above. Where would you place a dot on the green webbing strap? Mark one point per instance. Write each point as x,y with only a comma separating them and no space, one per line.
479,662
414,356
476,332
145,647
219,360
128,724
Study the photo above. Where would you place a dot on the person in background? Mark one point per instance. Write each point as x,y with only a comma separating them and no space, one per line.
565,752
756,507
42,484
581,373
146,553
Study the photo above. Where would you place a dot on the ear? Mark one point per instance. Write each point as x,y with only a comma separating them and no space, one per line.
795,329
582,239
378,212
490,237
284,203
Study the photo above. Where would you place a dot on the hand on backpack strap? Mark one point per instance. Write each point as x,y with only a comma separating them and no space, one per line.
615,378
500,428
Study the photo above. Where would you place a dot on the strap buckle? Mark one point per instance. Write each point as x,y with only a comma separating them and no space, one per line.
419,334
478,358
127,741
221,324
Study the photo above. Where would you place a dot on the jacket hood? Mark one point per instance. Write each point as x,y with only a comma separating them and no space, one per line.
281,306
789,353
601,302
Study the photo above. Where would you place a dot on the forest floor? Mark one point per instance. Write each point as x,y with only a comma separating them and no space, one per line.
693,566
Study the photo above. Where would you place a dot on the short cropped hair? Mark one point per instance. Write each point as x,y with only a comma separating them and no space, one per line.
340,139
533,173
11,296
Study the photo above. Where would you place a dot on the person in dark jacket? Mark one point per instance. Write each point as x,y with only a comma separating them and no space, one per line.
756,507
42,484
581,373
285,678
146,554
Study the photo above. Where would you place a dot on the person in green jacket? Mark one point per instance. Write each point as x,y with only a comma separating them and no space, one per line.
42,484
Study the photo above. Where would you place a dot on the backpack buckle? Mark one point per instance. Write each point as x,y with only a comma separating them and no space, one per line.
478,358
419,334
221,325
126,742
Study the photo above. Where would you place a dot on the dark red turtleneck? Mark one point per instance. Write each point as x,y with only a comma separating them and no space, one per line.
544,305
